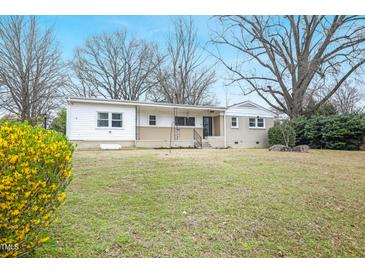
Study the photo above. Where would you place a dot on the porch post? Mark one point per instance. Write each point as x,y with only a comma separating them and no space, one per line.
224,129
136,125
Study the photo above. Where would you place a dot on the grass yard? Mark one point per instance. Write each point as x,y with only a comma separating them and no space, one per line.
212,203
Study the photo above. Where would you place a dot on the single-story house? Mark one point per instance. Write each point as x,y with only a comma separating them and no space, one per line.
92,122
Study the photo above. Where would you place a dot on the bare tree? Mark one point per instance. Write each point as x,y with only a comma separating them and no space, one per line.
286,57
349,98
113,66
183,78
31,71
77,85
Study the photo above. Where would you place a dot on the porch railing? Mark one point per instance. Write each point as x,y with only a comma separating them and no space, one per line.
198,141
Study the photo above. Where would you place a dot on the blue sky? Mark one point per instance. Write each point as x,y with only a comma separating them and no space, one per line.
72,31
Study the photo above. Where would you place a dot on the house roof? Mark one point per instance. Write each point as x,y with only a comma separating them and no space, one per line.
250,102
249,108
164,105
138,103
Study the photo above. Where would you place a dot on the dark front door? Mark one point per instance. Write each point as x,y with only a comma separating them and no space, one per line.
207,126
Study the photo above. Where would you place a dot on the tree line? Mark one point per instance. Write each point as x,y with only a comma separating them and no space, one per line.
34,78
297,64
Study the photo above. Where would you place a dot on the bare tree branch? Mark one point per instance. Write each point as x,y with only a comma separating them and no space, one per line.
293,55
31,71
113,66
350,98
183,79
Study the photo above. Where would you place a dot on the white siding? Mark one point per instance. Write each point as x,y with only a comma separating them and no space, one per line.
247,109
82,121
165,118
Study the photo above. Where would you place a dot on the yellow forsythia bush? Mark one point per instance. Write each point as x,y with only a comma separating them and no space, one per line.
35,168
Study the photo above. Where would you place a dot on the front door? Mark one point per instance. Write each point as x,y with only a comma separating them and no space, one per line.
207,126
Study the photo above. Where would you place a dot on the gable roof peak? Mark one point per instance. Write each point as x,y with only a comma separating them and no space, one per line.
249,102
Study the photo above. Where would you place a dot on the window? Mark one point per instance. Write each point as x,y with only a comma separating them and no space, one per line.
152,120
184,121
256,122
190,121
117,120
235,122
260,122
179,121
252,122
103,119
106,120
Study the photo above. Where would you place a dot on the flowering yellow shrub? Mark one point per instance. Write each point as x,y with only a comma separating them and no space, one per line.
35,168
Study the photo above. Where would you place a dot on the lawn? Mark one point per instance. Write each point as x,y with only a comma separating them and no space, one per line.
212,203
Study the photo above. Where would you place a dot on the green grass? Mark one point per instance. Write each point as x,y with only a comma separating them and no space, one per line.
212,203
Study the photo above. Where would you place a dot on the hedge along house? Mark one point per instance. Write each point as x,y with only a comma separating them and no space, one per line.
93,122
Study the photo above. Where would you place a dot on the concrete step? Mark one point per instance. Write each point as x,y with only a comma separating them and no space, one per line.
206,145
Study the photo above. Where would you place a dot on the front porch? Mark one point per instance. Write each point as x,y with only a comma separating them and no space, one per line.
213,131
188,126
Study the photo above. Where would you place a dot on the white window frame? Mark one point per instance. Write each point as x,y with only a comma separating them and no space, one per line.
263,122
97,119
249,122
110,120
149,120
256,122
237,125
